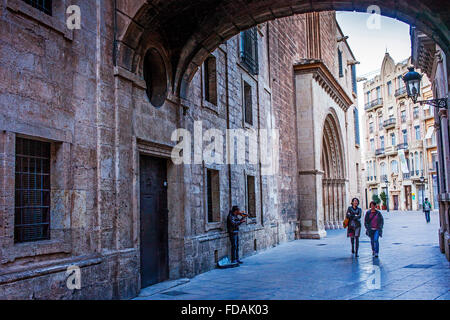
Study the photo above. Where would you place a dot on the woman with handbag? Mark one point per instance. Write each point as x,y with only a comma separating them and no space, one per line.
374,223
353,221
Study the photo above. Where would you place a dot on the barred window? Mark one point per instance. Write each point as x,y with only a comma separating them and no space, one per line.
249,50
32,191
42,5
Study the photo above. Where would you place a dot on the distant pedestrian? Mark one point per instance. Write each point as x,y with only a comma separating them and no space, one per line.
233,223
354,214
374,222
427,209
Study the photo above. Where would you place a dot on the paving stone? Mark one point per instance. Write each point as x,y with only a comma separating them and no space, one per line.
302,270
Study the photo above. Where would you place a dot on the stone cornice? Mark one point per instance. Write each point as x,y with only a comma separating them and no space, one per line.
326,80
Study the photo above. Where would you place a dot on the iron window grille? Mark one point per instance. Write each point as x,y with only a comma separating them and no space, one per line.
249,50
42,5
32,191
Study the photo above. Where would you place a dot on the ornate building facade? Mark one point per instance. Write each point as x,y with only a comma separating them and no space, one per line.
431,58
399,140
89,128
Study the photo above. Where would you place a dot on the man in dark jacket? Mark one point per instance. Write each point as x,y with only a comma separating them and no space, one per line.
233,223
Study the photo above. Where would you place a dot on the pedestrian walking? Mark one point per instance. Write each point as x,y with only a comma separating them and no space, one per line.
354,214
373,221
233,223
427,208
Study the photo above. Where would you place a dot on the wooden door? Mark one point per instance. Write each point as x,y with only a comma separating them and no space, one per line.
395,202
408,200
153,219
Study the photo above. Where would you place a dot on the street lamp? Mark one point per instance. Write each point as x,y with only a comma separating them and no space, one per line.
412,81
387,193
422,179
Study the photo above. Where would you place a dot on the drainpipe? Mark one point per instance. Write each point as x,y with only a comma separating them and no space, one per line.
115,35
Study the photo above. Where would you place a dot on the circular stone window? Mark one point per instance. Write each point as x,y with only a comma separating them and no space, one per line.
155,77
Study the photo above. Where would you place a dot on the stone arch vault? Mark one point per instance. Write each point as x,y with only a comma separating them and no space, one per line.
190,30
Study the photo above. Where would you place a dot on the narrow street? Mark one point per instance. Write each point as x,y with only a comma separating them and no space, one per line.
411,267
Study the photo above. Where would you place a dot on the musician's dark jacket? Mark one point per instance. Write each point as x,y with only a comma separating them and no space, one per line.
233,223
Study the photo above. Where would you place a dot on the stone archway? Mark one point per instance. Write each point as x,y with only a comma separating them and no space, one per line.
333,182
190,30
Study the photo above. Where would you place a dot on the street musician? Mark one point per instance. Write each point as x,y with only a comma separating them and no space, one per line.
233,223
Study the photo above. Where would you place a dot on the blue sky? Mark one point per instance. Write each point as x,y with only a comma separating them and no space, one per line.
369,45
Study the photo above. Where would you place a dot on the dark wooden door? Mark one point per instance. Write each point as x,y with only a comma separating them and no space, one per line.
408,200
154,227
395,202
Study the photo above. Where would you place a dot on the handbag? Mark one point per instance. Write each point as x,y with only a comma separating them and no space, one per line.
345,223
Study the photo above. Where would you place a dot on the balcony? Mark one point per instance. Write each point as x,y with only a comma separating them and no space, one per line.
418,144
374,104
390,151
406,176
415,175
400,92
379,152
402,146
372,181
389,123
383,178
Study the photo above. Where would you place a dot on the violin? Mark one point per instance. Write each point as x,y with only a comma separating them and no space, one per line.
243,214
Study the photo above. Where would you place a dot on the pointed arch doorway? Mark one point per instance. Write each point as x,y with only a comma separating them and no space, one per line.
333,182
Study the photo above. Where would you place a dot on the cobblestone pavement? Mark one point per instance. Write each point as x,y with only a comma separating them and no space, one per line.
410,267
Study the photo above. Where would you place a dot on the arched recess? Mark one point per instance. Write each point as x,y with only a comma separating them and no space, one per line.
192,29
333,182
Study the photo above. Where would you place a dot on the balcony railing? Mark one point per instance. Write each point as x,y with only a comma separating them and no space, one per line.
379,152
406,175
374,103
400,91
389,123
403,146
417,174
383,177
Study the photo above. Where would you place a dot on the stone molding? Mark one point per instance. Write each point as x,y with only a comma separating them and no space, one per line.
61,266
18,126
313,172
326,80
130,76
51,22
154,148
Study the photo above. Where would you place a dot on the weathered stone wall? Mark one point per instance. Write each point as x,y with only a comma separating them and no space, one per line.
62,86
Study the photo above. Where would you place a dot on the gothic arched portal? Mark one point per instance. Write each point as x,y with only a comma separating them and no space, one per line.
333,182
